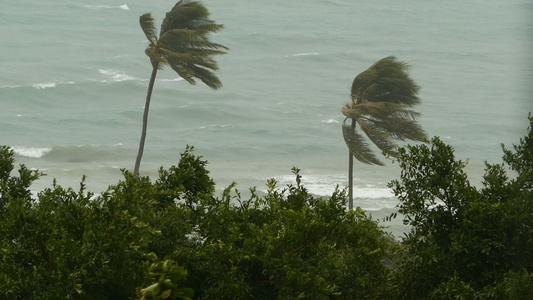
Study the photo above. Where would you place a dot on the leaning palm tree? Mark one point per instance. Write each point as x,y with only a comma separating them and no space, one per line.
184,45
381,98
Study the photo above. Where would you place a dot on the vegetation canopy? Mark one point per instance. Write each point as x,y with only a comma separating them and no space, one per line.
173,238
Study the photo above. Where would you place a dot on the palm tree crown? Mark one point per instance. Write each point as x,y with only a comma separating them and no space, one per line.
381,98
183,42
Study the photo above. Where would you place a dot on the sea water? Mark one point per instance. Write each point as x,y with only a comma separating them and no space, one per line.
73,80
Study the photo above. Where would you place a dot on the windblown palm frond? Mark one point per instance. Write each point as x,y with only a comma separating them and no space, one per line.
357,145
381,97
385,81
184,44
147,22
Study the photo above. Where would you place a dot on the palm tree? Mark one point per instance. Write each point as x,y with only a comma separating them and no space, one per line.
381,98
183,44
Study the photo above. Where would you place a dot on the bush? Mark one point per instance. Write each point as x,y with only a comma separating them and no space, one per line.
64,243
463,240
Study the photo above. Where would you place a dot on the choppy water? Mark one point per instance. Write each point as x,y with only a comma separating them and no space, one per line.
73,77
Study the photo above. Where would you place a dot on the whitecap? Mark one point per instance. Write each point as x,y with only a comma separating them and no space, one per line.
44,85
33,152
218,126
123,6
9,86
117,75
324,185
330,121
172,80
303,54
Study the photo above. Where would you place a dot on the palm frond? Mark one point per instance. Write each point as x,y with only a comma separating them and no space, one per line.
183,40
357,145
184,45
147,23
394,90
207,77
377,110
392,118
183,71
402,128
183,13
361,83
204,26
381,137
385,81
190,58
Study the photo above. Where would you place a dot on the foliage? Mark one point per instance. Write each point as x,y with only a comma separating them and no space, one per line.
183,43
465,241
169,277
67,243
62,243
285,245
381,98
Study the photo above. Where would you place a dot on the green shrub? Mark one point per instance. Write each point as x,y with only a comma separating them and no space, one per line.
286,244
463,239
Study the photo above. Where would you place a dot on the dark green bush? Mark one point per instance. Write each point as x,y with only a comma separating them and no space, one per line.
463,239
465,242
63,243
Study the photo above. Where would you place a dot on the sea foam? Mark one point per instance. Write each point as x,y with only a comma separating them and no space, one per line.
330,121
123,6
33,152
44,85
303,54
117,75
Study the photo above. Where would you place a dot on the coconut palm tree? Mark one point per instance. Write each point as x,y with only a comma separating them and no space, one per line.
184,45
381,100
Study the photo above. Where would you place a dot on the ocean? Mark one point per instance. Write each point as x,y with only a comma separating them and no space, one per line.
73,80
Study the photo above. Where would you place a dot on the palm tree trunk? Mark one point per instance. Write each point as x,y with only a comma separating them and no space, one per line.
350,175
145,122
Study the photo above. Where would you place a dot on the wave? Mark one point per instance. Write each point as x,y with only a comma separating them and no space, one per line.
172,80
119,75
303,54
116,75
39,85
73,154
109,75
9,86
44,85
51,84
123,6
32,152
324,185
330,121
218,126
